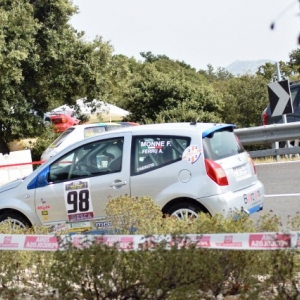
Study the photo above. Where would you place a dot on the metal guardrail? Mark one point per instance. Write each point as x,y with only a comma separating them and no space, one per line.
268,135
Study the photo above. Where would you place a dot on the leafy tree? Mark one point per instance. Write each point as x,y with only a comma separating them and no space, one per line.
213,75
44,62
269,71
245,98
123,70
151,58
171,95
189,111
164,64
294,65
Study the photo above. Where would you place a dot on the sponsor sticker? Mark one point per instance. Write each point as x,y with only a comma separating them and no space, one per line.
58,227
274,241
41,242
7,242
80,226
121,242
78,200
43,207
192,153
154,146
229,242
198,241
101,224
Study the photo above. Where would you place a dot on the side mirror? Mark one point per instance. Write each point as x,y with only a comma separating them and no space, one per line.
40,180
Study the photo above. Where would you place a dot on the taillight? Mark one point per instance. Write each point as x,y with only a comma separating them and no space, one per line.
64,120
265,118
252,162
216,172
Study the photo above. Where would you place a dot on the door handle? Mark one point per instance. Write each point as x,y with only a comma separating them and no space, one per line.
118,183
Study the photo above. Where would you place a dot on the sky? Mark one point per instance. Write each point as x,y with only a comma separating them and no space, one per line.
198,32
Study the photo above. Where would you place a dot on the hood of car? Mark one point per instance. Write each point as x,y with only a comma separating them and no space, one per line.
11,185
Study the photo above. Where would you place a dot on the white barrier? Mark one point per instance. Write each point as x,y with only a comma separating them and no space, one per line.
229,241
10,173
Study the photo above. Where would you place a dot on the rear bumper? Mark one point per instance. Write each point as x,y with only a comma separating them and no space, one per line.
248,200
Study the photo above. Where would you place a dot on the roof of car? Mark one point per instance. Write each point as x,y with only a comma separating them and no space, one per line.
207,127
167,128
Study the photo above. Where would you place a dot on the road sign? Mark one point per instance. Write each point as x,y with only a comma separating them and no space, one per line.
280,98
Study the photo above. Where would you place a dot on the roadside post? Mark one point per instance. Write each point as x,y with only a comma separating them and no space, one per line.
280,100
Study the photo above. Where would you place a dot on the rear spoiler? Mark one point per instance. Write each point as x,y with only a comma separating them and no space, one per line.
221,127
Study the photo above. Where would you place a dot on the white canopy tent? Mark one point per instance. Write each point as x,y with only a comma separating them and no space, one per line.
107,111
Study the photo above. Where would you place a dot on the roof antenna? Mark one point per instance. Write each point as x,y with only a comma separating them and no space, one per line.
194,123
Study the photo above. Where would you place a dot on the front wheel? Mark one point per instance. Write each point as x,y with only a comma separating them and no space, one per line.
186,210
15,220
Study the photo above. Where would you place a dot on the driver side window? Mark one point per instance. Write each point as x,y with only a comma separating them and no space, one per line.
93,159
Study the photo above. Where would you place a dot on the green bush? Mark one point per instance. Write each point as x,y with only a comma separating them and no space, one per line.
145,217
42,142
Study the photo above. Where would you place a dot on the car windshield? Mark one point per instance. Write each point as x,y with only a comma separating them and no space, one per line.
62,137
221,144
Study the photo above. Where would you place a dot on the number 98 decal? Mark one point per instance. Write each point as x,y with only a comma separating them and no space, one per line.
78,202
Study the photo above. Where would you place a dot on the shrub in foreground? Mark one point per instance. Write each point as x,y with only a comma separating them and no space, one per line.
103,272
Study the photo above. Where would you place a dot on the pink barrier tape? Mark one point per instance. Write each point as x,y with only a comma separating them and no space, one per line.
23,164
231,241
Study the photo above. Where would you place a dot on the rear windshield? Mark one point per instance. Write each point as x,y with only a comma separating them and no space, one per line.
221,144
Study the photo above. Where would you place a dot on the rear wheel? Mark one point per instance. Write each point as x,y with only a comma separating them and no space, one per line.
185,210
15,220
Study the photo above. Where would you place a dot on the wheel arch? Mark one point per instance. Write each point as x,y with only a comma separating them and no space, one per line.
176,201
11,210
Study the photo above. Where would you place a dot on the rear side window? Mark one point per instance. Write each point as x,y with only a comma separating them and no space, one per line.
152,152
221,144
91,131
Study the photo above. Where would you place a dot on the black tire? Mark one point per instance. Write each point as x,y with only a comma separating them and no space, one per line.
16,220
185,210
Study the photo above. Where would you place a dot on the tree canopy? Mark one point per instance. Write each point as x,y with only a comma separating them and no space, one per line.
44,62
164,91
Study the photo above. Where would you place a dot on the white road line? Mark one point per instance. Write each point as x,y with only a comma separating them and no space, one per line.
282,195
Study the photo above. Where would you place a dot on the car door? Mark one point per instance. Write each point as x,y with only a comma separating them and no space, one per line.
81,182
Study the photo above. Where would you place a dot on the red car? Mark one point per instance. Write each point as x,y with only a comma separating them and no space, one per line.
63,120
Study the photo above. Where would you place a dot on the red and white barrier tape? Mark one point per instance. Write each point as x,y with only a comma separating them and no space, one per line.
23,164
231,241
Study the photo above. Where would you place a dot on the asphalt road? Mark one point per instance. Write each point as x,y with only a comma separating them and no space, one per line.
282,190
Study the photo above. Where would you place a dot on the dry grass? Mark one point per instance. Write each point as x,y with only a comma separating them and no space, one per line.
21,144
272,159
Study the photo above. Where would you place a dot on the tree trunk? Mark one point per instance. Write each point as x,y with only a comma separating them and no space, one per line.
3,147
